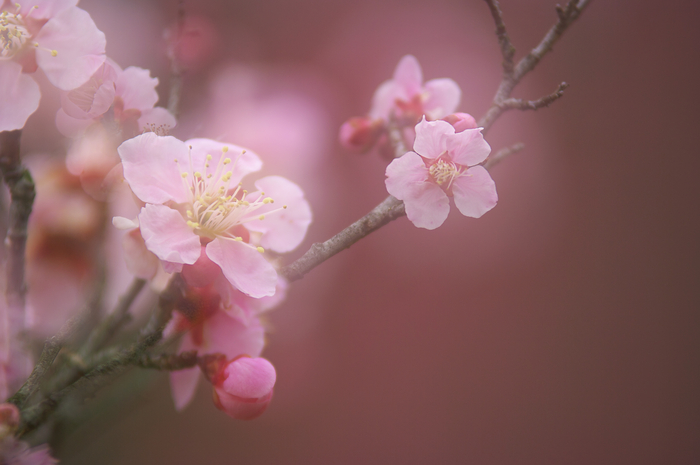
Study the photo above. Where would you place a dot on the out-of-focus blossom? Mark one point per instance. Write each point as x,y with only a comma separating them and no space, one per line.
442,166
131,95
461,121
15,452
243,386
192,42
53,35
9,419
401,101
65,231
195,206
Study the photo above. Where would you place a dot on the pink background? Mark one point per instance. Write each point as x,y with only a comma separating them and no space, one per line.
561,328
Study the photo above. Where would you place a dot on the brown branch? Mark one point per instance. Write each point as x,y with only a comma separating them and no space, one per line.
507,49
496,158
566,16
387,211
547,100
22,194
168,362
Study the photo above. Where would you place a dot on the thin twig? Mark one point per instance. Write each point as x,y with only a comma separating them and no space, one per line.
547,100
502,154
22,194
168,362
566,17
52,347
507,49
387,211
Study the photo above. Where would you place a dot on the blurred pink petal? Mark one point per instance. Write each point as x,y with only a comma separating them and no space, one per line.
20,96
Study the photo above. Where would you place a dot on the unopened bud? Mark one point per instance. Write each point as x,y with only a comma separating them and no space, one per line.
461,121
360,134
243,388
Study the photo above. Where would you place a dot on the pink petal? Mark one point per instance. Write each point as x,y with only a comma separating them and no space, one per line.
202,273
443,97
139,261
156,118
137,88
243,266
150,168
183,385
80,46
243,160
249,378
284,229
431,138
468,147
46,8
93,98
20,96
428,206
384,100
167,235
475,193
69,126
409,76
231,337
405,175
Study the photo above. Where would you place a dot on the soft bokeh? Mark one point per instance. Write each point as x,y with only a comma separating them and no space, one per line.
561,327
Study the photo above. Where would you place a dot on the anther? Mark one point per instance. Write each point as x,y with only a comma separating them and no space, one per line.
260,249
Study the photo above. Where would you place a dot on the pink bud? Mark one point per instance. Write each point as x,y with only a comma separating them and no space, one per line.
9,419
244,388
360,134
461,121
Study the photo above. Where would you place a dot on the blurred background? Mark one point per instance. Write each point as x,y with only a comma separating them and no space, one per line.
561,328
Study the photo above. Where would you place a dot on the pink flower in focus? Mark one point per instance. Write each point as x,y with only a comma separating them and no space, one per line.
243,387
442,166
193,199
53,35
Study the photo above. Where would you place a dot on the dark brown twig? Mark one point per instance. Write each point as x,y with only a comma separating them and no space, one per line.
547,100
507,49
496,158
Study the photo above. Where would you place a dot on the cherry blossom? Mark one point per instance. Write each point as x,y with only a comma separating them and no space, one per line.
444,164
195,205
53,35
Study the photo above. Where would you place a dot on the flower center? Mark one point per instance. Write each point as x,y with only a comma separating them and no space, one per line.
444,172
215,208
14,33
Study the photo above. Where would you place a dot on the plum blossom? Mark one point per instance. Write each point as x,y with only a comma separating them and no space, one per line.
131,95
53,35
196,207
401,101
444,164
214,324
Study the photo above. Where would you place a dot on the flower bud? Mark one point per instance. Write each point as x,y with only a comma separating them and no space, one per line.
360,134
243,388
9,419
461,121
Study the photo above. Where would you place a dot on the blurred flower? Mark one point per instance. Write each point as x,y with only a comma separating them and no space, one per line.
15,452
400,101
53,35
195,206
9,419
442,166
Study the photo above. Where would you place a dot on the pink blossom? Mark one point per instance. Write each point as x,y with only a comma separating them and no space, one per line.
443,165
53,35
130,93
406,97
195,204
402,101
243,388
15,452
